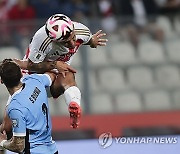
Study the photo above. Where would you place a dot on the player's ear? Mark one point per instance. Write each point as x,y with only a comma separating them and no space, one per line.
1,81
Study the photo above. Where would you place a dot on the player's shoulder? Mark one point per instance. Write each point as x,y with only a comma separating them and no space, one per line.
15,103
41,32
40,37
32,77
82,32
40,41
80,26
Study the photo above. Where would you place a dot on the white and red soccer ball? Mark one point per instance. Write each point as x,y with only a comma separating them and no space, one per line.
59,27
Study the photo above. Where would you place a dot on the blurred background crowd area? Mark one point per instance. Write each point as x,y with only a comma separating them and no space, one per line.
137,74
21,18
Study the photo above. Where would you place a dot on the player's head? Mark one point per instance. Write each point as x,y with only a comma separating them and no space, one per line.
59,27
10,73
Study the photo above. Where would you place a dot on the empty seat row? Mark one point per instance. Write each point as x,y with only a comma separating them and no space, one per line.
130,101
124,54
157,100
141,78
102,103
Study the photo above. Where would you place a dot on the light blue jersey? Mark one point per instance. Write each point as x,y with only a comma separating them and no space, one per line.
29,112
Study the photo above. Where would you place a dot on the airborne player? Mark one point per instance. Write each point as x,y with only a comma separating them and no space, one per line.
52,48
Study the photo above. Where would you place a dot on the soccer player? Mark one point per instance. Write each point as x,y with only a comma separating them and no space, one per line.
56,42
28,110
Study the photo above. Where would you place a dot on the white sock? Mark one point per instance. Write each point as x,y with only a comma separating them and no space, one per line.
72,94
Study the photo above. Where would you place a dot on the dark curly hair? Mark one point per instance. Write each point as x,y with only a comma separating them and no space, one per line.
10,73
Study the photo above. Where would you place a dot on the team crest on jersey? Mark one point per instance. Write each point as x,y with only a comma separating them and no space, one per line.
15,122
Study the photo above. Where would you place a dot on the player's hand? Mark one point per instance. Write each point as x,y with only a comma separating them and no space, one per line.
63,67
97,39
75,114
3,136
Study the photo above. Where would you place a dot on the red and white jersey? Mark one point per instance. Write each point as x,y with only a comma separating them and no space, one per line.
43,48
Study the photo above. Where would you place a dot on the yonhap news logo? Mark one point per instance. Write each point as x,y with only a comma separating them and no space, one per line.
106,140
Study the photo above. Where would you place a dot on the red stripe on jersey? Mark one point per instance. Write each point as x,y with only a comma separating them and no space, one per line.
27,53
66,57
78,43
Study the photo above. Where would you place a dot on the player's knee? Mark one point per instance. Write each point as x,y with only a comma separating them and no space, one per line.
56,91
68,80
62,83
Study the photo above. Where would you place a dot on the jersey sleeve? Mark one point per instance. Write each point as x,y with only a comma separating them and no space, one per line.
82,32
44,79
18,122
38,46
36,56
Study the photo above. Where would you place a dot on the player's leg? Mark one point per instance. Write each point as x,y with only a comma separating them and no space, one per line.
56,88
67,85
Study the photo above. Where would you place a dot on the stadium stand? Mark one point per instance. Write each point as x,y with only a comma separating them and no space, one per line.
165,24
168,76
101,104
177,24
112,79
151,53
173,48
176,99
94,81
79,78
76,62
9,52
127,84
123,53
140,77
157,100
97,57
129,102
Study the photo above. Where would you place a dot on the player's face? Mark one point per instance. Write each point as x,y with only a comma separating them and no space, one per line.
71,41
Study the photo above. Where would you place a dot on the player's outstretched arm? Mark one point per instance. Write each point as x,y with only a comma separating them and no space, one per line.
46,66
22,64
97,40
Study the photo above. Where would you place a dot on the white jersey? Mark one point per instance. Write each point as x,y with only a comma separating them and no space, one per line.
43,48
